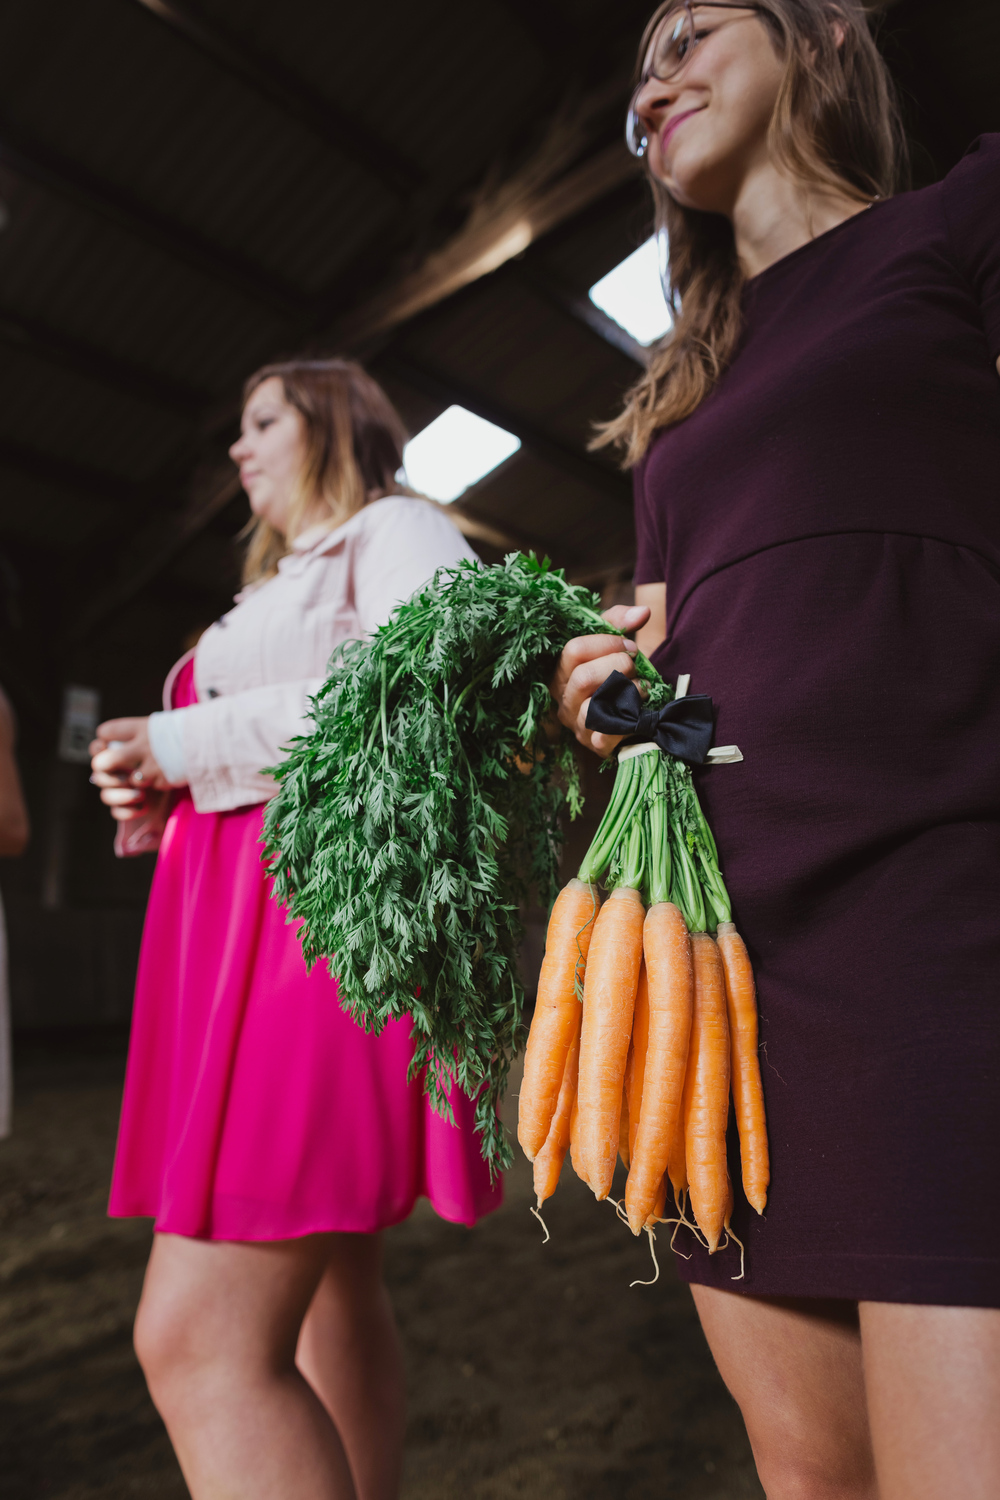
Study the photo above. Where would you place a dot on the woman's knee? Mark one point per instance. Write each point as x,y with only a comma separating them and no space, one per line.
222,1313
167,1343
791,1468
810,1444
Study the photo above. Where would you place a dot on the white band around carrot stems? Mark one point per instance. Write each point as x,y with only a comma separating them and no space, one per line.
655,839
719,755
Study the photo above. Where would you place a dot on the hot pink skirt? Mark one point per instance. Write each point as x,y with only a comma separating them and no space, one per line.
254,1107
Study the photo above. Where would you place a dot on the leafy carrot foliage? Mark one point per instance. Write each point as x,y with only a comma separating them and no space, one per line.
424,805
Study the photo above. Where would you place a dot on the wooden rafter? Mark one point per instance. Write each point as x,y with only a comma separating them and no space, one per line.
447,390
94,363
291,94
28,157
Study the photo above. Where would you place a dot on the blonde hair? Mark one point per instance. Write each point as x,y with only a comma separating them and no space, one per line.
354,441
836,123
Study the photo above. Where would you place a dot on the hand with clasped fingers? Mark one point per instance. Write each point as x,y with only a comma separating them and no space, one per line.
124,767
585,663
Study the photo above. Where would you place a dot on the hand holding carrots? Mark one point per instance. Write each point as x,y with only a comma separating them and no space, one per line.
585,663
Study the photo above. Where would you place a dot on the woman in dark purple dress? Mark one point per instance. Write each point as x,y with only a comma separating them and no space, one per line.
816,454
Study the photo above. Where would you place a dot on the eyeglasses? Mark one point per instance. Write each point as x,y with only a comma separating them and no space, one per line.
670,50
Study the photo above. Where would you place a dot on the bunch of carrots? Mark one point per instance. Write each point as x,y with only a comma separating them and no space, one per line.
643,1067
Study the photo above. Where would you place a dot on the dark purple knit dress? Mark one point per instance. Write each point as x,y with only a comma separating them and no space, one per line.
828,526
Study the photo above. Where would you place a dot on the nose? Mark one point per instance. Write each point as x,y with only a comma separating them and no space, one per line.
653,99
239,449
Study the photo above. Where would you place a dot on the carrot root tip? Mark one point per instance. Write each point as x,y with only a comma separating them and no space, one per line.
743,1254
656,1264
541,1221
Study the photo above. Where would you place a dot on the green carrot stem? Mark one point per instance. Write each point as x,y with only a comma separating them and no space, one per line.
611,827
686,887
660,863
385,721
469,686
714,888
634,861
703,825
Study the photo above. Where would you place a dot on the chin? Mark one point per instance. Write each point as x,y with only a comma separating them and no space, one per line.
695,179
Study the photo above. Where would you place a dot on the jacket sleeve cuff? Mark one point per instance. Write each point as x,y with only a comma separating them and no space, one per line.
166,740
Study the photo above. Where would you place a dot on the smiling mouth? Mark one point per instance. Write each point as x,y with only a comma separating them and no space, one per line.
674,125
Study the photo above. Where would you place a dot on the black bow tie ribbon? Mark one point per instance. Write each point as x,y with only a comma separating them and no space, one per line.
683,728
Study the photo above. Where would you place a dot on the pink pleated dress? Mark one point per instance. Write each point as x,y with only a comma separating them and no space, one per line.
254,1107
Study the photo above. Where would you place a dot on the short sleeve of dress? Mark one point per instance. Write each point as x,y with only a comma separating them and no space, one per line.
402,544
648,557
972,207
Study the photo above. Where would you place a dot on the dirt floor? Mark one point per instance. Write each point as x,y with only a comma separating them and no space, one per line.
535,1372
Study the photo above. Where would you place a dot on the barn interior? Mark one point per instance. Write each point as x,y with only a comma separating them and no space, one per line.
192,188
188,190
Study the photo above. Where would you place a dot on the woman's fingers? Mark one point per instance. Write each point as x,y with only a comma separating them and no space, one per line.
108,778
114,758
626,617
120,729
584,648
583,682
121,796
580,653
602,744
589,660
122,748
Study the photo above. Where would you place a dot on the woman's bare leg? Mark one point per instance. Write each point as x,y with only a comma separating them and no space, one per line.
216,1334
794,1367
349,1352
933,1380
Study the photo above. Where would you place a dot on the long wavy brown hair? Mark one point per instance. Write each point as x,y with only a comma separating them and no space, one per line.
836,124
354,445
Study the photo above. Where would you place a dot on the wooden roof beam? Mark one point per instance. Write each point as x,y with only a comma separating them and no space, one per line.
292,95
80,478
31,158
94,363
551,32
154,546
446,390
503,223
537,279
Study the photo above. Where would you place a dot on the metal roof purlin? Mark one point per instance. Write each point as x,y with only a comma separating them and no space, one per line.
97,364
487,241
156,544
292,95
441,387
537,279
551,32
70,475
30,158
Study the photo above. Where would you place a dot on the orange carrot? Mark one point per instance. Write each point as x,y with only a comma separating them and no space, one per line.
635,1072
748,1094
548,1162
557,1011
667,948
623,1125
677,1163
706,1093
574,1135
609,991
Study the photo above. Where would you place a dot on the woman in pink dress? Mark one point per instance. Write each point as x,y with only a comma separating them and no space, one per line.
268,1135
